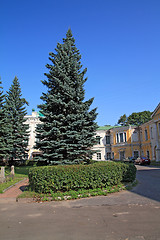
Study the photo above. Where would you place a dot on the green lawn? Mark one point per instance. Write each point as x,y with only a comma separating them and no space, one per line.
154,163
20,174
68,195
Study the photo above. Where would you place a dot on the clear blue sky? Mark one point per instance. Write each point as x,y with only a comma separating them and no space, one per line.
119,41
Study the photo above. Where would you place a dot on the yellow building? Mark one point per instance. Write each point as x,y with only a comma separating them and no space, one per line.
156,139
124,142
118,142
145,140
135,141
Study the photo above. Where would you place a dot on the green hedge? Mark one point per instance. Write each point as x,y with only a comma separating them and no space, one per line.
73,177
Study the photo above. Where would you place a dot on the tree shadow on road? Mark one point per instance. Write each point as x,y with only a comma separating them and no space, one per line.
149,182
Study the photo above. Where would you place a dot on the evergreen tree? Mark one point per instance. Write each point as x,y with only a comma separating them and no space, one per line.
66,134
3,129
17,129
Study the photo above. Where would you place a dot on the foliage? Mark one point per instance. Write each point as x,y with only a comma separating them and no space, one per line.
139,118
3,129
75,177
82,193
123,120
17,138
20,174
66,134
135,118
130,173
9,182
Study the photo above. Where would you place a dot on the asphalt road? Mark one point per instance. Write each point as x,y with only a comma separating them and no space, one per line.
128,215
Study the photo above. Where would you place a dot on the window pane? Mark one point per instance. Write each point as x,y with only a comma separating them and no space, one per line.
122,155
121,137
117,138
125,137
98,156
107,139
146,135
136,154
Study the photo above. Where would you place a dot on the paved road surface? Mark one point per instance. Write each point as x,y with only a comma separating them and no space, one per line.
133,215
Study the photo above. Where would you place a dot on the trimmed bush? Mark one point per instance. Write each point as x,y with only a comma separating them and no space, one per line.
129,174
73,177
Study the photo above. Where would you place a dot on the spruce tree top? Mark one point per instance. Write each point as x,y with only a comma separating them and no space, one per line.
68,129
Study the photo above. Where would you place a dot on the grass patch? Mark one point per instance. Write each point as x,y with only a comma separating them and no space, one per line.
23,170
154,163
20,174
68,195
10,182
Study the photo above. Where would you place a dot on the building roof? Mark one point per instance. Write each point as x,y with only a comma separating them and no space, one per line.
107,127
40,114
156,109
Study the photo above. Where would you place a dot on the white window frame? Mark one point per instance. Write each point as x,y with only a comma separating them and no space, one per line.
124,137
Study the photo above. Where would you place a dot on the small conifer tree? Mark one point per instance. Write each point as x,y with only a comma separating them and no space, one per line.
3,127
67,132
17,129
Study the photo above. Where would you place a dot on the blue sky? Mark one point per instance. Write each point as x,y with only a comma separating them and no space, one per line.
119,41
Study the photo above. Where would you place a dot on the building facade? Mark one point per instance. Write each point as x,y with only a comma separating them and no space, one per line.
32,121
156,133
115,142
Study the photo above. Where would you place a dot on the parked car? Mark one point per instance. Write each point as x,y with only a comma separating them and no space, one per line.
129,160
143,161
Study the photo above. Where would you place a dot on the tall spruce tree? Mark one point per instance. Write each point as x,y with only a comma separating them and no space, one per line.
3,127
66,134
17,129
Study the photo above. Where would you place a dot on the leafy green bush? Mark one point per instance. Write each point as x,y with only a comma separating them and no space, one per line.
129,173
73,177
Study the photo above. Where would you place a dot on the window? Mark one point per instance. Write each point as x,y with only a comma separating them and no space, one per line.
146,134
108,155
98,138
125,137
98,156
159,128
122,155
121,137
152,132
117,138
112,155
136,154
148,155
107,139
135,136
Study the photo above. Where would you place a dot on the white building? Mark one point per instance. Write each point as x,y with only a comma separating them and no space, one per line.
33,120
